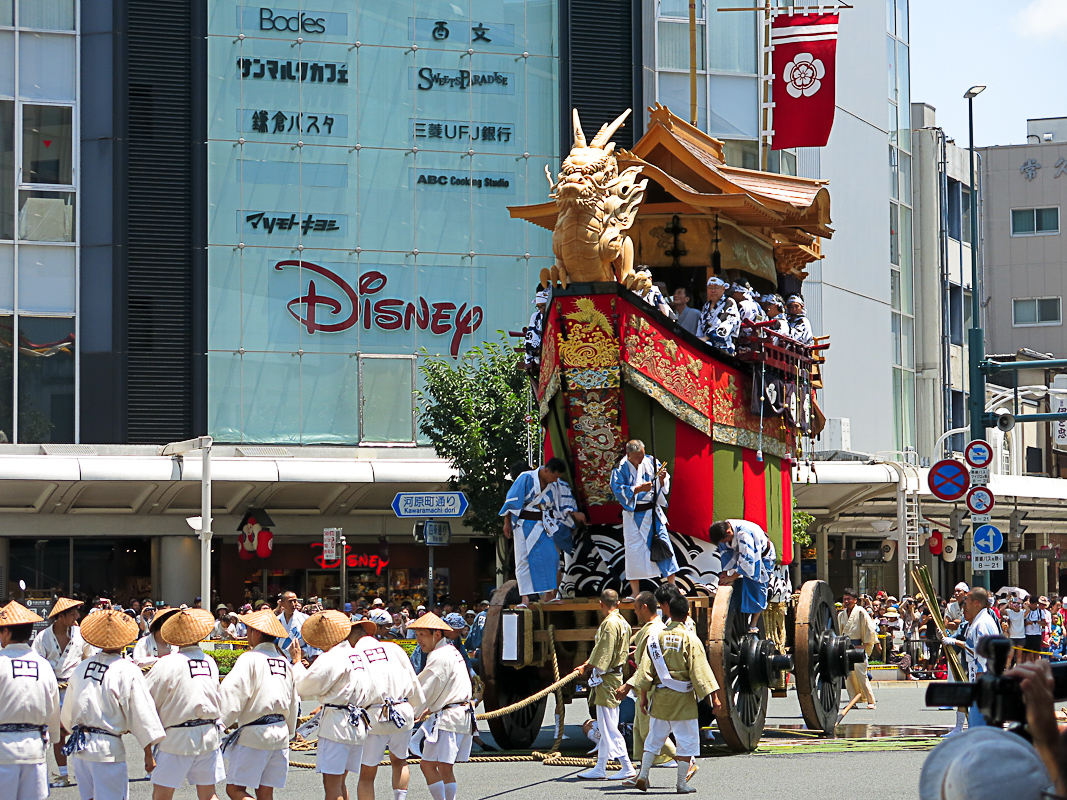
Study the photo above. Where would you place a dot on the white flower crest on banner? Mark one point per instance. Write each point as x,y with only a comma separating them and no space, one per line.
804,75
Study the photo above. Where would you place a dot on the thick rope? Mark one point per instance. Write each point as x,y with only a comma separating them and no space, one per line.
560,708
553,759
534,698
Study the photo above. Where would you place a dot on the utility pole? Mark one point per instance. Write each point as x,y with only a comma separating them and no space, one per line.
975,336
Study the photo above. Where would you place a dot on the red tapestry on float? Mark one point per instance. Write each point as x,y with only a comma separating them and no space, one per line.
803,60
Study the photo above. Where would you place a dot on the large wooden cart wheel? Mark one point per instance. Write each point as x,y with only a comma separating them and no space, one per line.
744,666
505,685
823,658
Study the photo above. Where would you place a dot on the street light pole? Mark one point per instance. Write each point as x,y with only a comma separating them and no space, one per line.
976,335
201,525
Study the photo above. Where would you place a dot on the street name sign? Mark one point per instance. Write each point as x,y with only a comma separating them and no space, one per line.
430,504
948,480
329,543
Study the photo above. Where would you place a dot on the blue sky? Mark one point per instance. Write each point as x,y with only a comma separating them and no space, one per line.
1018,48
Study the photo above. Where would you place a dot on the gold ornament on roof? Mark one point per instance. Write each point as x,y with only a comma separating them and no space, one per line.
597,205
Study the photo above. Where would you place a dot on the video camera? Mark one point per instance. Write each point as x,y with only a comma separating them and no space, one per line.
1000,699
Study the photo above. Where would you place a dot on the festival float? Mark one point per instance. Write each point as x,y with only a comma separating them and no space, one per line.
614,368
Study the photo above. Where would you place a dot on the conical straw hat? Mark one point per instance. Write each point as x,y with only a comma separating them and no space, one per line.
17,614
326,628
264,621
369,625
109,630
161,616
430,622
187,626
63,604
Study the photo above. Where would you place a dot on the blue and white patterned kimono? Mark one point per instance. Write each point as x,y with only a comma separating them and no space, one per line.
538,541
640,527
752,555
719,324
800,329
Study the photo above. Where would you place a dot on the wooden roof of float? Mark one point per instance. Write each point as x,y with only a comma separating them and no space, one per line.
789,213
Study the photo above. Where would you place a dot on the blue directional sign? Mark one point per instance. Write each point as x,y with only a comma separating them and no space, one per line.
988,539
430,504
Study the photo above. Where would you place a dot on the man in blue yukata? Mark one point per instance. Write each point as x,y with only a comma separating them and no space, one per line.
746,551
641,484
540,512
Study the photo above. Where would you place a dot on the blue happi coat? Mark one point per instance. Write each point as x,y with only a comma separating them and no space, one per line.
752,555
538,542
640,527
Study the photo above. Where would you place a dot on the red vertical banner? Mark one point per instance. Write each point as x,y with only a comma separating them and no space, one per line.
692,512
786,556
755,489
803,61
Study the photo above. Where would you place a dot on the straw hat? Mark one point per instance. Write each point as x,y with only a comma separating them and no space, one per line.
430,622
63,604
109,629
264,621
369,625
324,629
17,614
161,616
187,626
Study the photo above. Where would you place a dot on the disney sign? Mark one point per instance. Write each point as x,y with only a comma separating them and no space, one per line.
319,310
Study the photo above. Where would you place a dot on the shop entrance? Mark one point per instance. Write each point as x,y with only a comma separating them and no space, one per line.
119,569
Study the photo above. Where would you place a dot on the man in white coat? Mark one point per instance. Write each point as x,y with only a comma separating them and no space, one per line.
394,694
61,645
29,707
641,484
151,647
339,682
185,688
854,622
260,696
446,711
107,698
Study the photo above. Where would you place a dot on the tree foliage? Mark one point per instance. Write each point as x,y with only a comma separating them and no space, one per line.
475,412
801,522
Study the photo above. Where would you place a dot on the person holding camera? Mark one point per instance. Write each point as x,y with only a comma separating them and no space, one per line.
981,622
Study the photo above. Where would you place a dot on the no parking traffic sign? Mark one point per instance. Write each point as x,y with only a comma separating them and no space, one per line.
948,480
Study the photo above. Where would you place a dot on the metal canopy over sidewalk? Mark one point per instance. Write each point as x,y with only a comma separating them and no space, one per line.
43,480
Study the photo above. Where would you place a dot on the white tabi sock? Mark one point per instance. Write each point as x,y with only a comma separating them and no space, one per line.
63,772
961,719
626,764
400,794
437,790
450,791
646,764
683,770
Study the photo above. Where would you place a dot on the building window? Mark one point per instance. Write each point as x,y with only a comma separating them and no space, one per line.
7,169
46,379
47,145
1035,221
1035,311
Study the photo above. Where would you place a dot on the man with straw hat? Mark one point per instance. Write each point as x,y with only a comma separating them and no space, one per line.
29,707
446,710
107,698
61,645
185,688
151,647
394,693
340,683
260,696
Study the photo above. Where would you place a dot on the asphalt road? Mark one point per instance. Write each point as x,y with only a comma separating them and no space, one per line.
883,775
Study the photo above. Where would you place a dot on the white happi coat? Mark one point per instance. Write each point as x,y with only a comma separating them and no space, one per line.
185,686
149,650
637,525
28,694
110,693
63,659
337,678
392,677
260,683
447,689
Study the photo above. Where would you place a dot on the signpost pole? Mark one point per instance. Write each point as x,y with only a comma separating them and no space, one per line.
429,582
344,571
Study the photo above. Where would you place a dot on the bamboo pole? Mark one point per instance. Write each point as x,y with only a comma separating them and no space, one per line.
921,576
693,62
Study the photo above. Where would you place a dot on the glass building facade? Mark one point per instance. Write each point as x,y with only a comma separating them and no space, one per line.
361,158
39,179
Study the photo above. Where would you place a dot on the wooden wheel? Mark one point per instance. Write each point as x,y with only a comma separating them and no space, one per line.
506,685
823,658
744,666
